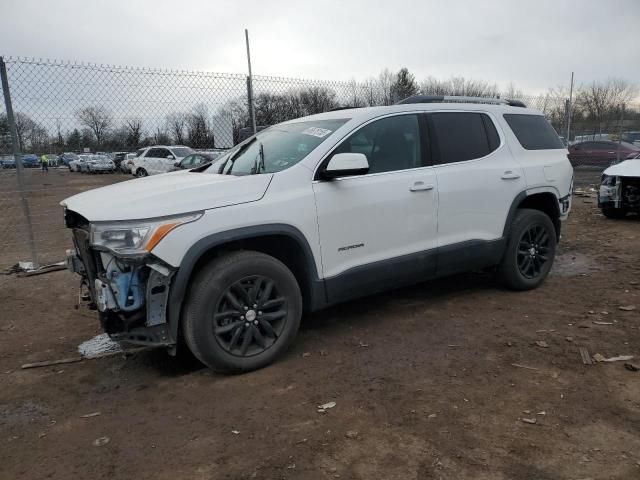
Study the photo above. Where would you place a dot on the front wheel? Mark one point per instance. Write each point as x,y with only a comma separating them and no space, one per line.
530,251
243,312
141,172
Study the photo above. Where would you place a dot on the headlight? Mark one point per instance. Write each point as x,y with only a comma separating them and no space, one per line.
136,237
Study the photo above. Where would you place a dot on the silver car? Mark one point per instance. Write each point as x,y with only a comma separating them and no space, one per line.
100,164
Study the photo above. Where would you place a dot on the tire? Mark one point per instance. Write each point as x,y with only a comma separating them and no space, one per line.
214,291
530,251
615,213
141,172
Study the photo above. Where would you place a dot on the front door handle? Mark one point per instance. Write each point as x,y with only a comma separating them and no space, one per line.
509,175
421,187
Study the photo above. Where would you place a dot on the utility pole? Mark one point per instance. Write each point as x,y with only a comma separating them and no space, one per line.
252,112
620,132
570,109
18,159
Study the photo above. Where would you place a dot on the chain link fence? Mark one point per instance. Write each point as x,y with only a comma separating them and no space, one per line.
63,108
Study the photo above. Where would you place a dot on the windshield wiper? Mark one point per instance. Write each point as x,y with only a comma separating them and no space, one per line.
258,165
234,157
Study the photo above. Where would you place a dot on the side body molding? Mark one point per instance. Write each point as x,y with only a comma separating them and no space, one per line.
178,291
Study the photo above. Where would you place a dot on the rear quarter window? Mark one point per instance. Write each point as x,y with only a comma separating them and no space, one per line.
533,132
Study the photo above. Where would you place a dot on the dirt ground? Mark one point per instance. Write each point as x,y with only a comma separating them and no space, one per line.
430,382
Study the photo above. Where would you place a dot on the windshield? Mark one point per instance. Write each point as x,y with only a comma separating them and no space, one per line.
279,147
182,151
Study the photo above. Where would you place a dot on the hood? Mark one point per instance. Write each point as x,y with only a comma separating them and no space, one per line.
628,168
167,194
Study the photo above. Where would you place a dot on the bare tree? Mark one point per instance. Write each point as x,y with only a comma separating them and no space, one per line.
459,86
176,124
512,92
315,100
97,119
385,82
134,132
199,127
602,99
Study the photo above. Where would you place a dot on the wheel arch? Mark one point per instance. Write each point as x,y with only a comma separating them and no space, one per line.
284,242
544,201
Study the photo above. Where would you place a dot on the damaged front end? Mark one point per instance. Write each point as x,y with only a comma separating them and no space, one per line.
127,284
619,192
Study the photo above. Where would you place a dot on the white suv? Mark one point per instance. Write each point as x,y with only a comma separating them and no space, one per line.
316,211
158,159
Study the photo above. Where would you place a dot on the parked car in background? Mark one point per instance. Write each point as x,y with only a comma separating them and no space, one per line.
591,138
53,159
118,158
127,163
632,137
100,164
30,160
619,191
601,153
80,164
195,160
8,162
66,157
158,159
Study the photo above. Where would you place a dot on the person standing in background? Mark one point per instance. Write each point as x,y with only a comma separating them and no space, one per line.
45,163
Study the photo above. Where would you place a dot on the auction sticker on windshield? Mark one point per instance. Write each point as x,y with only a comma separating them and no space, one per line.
316,132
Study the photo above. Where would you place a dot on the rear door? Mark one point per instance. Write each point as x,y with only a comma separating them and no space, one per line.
155,160
477,183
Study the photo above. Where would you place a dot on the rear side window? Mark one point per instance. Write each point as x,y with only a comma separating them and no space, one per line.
461,136
533,132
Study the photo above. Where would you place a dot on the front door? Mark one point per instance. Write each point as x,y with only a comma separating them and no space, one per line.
379,228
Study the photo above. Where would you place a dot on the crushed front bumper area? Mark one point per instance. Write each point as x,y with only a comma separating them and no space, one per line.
131,294
619,192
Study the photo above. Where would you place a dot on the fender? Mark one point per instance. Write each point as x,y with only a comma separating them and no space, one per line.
202,246
519,199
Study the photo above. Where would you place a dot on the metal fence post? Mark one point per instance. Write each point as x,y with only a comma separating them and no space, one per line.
252,113
18,158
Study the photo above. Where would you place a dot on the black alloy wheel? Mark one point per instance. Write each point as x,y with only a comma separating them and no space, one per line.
250,316
533,250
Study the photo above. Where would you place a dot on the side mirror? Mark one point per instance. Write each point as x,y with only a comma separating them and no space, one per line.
176,164
346,164
170,157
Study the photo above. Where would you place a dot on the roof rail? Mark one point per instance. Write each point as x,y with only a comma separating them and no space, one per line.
459,99
345,107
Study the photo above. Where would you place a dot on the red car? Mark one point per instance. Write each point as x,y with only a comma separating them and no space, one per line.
600,153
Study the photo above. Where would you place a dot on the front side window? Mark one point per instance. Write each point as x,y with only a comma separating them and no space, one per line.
533,132
462,136
187,162
391,143
278,148
181,151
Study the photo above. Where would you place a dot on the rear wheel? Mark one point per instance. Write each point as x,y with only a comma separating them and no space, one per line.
614,212
243,311
530,250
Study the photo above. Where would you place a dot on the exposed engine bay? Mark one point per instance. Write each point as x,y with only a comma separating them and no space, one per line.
620,192
130,293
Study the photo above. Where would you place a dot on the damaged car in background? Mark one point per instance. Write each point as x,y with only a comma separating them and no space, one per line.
620,189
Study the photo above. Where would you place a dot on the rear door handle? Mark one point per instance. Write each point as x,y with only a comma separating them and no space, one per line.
421,187
509,175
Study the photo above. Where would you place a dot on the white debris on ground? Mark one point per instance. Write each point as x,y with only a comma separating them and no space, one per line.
99,345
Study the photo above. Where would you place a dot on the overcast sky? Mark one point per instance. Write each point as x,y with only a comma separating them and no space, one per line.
533,43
